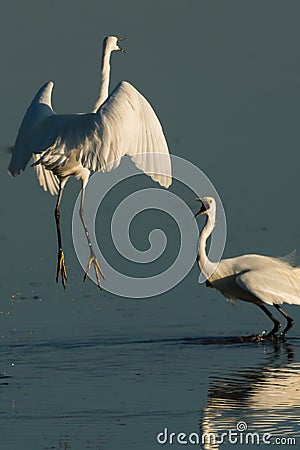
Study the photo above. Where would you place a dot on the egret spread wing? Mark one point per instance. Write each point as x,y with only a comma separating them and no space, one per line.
125,125
274,285
129,126
39,109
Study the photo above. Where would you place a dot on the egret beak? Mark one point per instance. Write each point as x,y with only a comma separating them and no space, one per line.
202,209
121,49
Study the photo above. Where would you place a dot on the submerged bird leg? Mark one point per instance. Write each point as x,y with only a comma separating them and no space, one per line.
61,268
276,322
93,260
290,320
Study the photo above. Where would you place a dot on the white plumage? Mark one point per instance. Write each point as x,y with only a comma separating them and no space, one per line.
64,145
253,278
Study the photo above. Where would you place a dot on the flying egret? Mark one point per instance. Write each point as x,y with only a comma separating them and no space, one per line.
64,145
258,279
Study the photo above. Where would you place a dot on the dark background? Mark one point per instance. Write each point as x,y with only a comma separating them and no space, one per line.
223,77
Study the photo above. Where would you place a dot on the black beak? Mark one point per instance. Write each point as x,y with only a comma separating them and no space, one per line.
121,39
202,209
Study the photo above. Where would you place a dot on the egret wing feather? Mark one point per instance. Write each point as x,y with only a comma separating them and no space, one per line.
129,126
48,181
39,109
124,125
290,258
274,285
57,136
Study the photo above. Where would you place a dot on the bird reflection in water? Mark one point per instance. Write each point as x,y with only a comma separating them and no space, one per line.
265,397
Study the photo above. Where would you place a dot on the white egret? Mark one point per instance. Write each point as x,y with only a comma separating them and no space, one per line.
62,145
258,279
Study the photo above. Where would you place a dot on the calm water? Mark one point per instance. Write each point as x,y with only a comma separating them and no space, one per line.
101,391
82,369
107,373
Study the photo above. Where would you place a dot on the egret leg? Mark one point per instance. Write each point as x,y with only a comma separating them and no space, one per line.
276,322
290,321
61,268
93,260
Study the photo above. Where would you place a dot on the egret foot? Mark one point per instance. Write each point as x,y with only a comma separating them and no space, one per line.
98,271
290,323
265,337
272,333
61,268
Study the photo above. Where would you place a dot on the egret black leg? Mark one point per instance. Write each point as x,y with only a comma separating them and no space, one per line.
276,322
93,260
61,268
290,321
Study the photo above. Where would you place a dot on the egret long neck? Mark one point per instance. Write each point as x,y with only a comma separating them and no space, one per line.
105,75
204,263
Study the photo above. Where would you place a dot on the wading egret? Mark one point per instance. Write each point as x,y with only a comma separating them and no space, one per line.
258,279
64,145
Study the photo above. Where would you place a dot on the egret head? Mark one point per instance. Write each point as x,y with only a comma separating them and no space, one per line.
208,206
111,43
